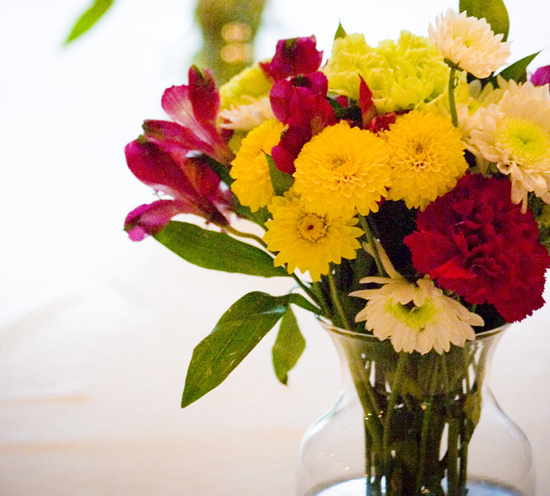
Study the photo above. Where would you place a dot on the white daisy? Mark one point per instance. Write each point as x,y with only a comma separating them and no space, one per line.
247,116
469,43
415,316
514,134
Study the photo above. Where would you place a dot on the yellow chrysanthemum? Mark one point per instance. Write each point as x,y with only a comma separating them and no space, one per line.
250,169
343,169
306,240
469,43
426,158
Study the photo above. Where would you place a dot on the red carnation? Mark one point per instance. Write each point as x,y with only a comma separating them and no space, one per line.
477,243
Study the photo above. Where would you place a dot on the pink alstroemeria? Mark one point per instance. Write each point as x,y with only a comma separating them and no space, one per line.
541,76
300,103
194,110
194,187
293,57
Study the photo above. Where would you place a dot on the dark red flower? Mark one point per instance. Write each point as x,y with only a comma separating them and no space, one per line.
293,56
477,243
541,76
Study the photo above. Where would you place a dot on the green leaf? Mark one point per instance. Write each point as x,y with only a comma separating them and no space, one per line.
518,70
494,12
89,18
280,180
340,32
288,347
298,300
217,251
235,335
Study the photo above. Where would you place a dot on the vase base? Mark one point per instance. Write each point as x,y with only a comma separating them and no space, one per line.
357,487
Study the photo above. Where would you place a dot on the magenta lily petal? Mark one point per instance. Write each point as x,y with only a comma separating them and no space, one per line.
156,168
541,76
193,185
150,219
173,137
204,95
366,104
195,108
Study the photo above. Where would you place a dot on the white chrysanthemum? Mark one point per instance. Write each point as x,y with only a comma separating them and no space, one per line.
469,43
514,134
247,116
415,316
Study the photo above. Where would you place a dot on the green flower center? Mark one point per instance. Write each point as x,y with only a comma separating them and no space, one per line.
527,143
411,315
312,227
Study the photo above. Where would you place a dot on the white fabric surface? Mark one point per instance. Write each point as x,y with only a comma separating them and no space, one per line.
96,332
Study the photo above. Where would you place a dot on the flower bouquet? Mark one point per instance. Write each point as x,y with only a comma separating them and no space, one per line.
406,190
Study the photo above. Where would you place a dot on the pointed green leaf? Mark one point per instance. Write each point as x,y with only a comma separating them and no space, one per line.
493,11
280,180
235,335
518,70
288,347
340,32
298,300
89,18
217,251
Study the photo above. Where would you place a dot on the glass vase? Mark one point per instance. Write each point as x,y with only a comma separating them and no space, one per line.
407,424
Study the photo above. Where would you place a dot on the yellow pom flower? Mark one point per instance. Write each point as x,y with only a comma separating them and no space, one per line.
306,240
250,169
343,169
426,158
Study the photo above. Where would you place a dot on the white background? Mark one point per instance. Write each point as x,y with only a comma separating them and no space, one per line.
96,332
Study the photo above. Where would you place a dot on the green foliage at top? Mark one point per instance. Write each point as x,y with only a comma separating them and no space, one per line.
493,11
89,18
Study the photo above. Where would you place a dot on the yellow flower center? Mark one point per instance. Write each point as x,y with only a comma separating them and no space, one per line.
527,142
413,316
419,155
312,227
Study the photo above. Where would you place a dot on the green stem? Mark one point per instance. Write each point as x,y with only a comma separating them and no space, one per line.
324,312
320,297
241,234
425,428
397,379
336,300
320,311
452,102
370,239
371,409
452,458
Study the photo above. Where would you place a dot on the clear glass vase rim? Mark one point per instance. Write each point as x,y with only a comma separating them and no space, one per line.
369,337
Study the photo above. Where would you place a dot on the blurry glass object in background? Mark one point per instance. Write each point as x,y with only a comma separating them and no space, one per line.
228,29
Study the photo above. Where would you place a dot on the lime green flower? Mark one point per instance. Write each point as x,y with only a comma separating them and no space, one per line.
404,74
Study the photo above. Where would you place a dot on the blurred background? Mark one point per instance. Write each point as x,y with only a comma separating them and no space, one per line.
96,332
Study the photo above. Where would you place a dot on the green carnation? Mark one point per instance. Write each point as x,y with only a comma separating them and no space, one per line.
405,74
251,82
